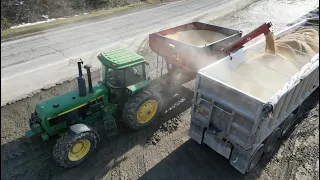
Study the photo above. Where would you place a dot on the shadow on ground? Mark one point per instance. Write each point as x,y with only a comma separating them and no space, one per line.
20,160
194,161
189,161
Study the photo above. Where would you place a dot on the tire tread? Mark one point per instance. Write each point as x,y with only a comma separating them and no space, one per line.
60,155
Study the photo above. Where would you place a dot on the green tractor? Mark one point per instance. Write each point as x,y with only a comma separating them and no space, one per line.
72,116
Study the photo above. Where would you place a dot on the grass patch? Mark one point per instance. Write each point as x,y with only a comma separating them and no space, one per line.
39,27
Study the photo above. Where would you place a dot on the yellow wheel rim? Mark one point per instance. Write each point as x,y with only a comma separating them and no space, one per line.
79,150
147,111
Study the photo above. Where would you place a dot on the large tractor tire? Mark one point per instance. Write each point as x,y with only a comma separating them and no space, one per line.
72,149
142,109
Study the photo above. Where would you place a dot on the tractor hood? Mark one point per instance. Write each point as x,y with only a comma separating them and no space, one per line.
68,102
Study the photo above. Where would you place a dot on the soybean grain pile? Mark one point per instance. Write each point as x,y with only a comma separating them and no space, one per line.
266,73
197,37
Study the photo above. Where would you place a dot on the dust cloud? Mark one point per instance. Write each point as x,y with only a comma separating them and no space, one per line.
195,55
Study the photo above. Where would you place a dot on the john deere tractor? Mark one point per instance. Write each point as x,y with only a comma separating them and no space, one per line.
72,116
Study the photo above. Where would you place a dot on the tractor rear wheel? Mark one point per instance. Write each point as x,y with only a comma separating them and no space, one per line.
72,149
142,109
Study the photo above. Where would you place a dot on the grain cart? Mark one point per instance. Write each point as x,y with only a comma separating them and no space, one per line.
123,87
190,47
243,104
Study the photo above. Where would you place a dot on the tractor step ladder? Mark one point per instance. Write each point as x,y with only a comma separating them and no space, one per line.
110,124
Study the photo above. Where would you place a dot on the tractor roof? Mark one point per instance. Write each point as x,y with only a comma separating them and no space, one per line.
120,58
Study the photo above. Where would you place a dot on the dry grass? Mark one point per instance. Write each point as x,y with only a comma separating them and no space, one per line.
39,27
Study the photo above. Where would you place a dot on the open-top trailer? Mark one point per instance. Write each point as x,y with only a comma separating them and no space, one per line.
245,103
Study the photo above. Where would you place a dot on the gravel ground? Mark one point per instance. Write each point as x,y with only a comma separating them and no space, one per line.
164,151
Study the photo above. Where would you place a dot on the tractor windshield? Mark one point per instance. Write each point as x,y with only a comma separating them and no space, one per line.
113,78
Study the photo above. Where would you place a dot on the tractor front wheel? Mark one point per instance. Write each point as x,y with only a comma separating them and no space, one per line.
142,109
72,149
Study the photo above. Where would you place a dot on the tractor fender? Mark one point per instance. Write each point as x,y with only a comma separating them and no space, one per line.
80,128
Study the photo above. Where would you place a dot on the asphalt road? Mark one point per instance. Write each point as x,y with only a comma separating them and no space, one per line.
32,63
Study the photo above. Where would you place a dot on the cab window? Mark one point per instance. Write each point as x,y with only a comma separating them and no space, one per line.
135,74
112,78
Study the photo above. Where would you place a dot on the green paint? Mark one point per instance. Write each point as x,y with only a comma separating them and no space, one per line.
67,101
53,130
55,115
120,58
137,87
30,133
36,128
44,136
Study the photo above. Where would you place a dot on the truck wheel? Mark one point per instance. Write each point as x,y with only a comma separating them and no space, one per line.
255,158
142,109
288,126
271,142
72,149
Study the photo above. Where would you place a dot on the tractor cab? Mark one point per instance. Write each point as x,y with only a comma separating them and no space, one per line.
122,71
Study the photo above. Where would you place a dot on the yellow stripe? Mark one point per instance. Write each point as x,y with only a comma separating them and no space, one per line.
65,112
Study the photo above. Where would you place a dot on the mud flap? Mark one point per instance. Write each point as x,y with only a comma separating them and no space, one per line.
217,144
240,160
196,132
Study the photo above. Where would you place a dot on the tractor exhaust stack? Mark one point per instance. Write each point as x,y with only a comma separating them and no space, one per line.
81,81
87,67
